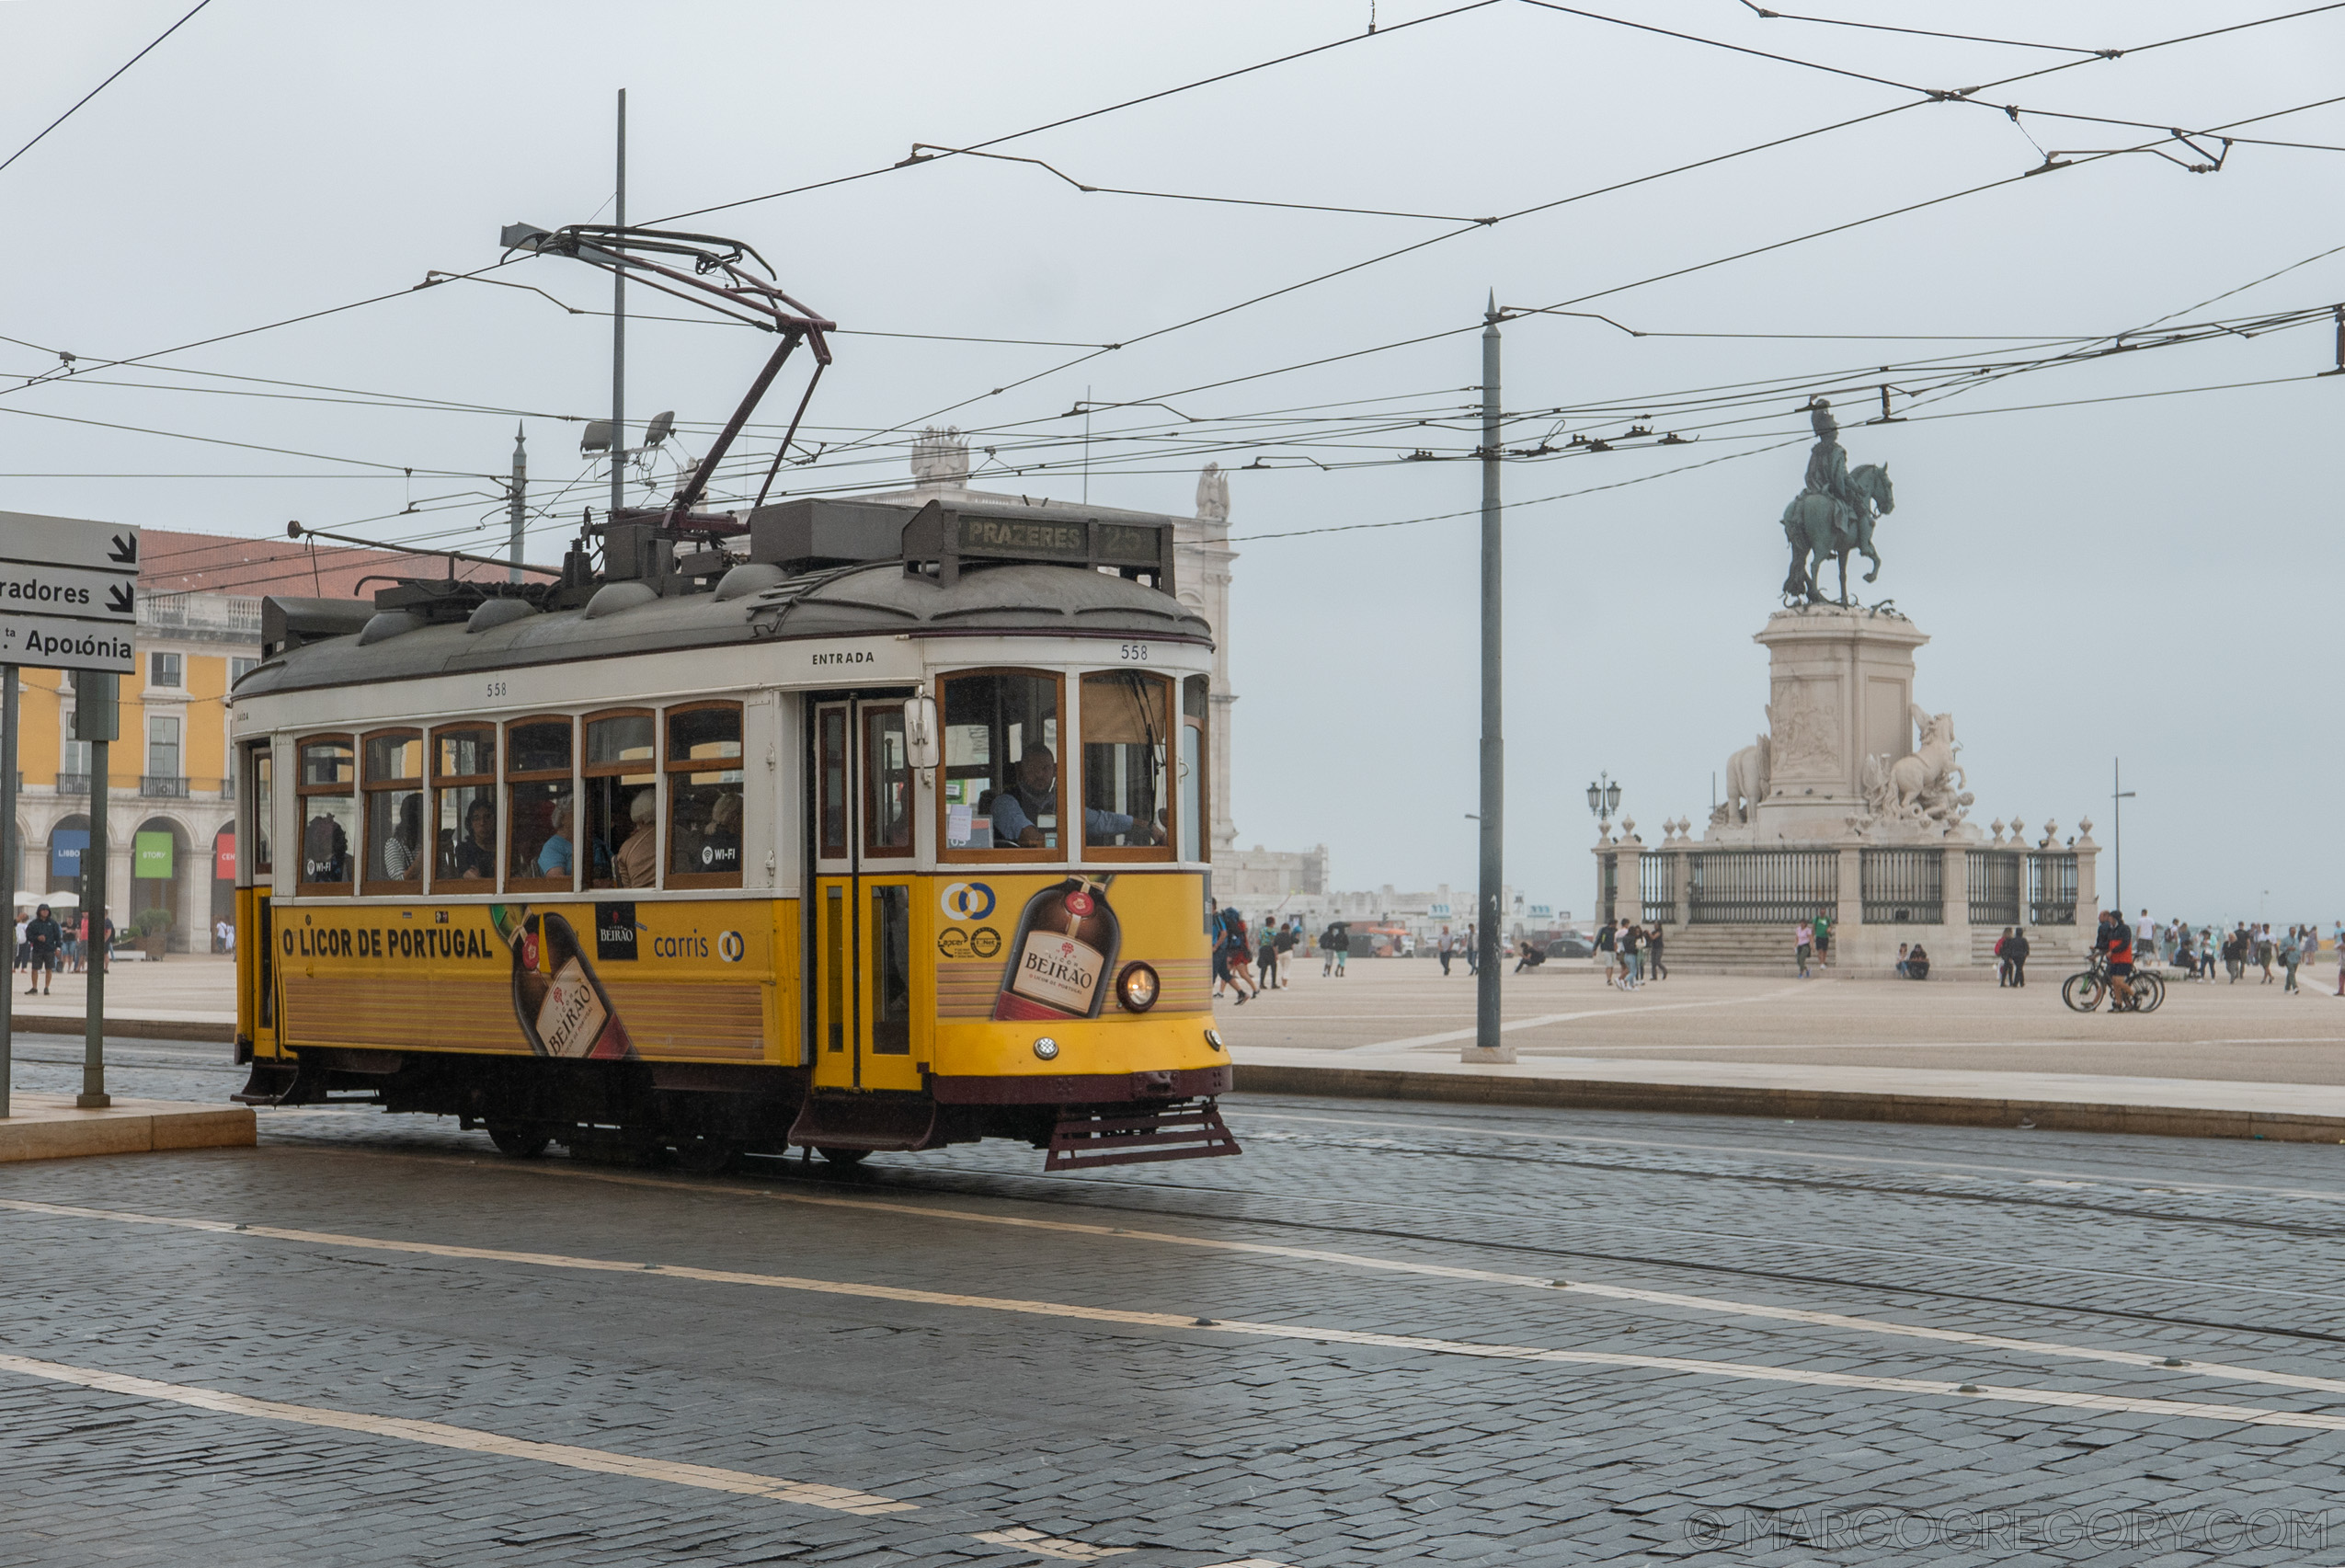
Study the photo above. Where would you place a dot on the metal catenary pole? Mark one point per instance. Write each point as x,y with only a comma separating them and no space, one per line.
93,1096
619,335
9,853
1488,1043
516,502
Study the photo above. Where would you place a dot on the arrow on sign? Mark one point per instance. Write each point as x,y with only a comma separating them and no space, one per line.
118,598
125,550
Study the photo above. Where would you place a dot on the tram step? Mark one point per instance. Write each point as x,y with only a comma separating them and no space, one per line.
865,1121
1133,1137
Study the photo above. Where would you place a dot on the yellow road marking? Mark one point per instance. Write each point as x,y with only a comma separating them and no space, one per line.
1043,1545
601,1462
2255,1415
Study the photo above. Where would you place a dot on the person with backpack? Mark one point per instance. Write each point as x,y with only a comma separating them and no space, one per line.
1607,949
41,937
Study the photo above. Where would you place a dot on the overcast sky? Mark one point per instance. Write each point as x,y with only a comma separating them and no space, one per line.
2150,578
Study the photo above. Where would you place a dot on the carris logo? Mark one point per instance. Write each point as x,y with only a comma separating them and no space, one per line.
729,946
967,901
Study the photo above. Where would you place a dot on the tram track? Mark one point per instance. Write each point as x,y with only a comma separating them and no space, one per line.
1130,1198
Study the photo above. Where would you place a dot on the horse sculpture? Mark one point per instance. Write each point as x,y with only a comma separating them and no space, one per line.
1925,785
1819,525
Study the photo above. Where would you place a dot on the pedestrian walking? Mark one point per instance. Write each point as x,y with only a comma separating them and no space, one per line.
1803,943
1631,940
2003,958
1822,926
1473,950
1288,936
2291,954
41,936
2019,957
1267,958
1444,949
1654,965
1334,942
1607,948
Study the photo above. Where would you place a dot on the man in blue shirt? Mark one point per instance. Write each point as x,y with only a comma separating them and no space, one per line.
1018,810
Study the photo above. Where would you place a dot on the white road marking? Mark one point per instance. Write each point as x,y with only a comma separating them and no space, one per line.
1545,1018
1043,1545
601,1462
2256,1415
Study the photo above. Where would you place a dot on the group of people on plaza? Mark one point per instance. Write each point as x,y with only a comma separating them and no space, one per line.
1630,953
1253,963
45,945
2200,953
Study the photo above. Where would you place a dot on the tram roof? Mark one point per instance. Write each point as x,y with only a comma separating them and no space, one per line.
338,643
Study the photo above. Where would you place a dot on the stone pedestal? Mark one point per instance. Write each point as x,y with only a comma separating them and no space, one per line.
1840,689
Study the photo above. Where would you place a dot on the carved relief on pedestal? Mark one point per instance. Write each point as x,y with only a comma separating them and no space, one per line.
1804,720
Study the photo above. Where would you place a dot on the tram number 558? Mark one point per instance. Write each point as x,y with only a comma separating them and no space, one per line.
1135,653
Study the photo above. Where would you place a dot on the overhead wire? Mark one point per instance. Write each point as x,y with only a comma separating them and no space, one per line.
101,86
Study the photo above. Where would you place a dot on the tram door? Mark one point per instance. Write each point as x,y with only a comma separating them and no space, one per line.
861,911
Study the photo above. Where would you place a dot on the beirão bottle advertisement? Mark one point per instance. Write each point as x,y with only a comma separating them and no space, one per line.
558,998
1066,942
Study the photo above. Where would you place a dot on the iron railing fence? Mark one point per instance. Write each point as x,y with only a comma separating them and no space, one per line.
1994,888
2052,889
1762,887
1904,887
1657,888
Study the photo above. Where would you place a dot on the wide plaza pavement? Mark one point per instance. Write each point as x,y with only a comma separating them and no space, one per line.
1385,1334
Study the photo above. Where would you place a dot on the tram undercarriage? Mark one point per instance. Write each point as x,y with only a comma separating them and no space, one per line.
709,1116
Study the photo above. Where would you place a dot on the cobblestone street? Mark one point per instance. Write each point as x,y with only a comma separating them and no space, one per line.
1388,1334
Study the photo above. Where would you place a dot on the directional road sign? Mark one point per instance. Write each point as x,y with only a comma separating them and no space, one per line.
69,542
68,592
47,644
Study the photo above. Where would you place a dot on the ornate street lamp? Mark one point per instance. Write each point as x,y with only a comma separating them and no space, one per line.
1604,797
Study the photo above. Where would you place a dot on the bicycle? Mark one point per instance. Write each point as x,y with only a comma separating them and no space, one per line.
2084,991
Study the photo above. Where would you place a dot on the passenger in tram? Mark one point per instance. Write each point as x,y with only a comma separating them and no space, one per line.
403,851
326,851
637,860
557,857
720,849
476,852
1018,810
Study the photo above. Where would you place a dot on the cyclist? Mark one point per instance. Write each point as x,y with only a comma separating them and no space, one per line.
2115,943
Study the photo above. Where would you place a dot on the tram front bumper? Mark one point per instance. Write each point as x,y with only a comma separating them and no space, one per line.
1082,1088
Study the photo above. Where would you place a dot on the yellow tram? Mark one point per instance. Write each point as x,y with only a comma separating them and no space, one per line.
721,852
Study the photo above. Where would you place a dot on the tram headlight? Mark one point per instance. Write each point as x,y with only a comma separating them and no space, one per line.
1137,987
1045,1048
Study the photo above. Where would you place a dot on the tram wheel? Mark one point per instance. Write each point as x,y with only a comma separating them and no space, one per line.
707,1156
518,1142
844,1157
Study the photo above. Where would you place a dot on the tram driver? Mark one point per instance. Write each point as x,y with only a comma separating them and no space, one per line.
1018,810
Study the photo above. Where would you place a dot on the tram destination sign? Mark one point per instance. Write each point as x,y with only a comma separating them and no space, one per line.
68,592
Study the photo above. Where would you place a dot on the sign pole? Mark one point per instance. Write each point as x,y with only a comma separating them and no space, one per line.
95,719
1490,1041
9,854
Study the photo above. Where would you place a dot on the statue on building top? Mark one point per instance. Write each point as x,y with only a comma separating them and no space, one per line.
1833,516
1213,494
941,458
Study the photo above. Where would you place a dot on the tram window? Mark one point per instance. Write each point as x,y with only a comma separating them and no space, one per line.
999,799
891,981
257,767
392,783
464,776
623,800
1126,733
831,737
887,784
704,766
541,829
1197,786
328,777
